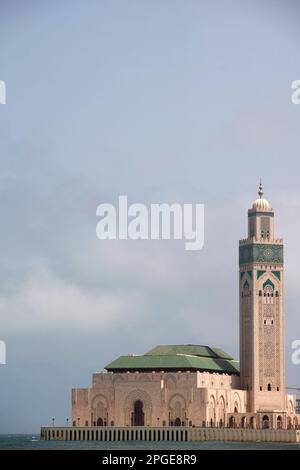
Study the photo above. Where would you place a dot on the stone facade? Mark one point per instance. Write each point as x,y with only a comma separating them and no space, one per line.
168,399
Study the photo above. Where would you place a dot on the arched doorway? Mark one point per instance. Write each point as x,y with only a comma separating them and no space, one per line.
243,422
99,416
231,422
265,422
279,422
138,409
177,411
138,413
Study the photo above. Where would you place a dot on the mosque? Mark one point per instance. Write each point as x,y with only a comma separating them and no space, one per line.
195,385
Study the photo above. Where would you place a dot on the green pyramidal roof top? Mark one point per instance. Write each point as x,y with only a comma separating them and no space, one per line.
177,357
190,349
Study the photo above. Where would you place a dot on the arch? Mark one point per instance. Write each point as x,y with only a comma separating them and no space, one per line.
265,422
177,409
129,404
232,422
138,414
243,422
177,422
100,422
279,422
252,422
221,411
237,408
268,292
268,282
99,408
97,398
212,411
289,422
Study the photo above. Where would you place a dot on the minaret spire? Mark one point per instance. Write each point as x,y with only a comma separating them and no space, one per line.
260,189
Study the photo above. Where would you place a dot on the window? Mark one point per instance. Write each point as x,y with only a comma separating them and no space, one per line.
269,387
260,293
265,227
265,422
268,294
260,388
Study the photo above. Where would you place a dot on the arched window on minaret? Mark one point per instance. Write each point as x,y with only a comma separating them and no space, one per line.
268,289
268,295
265,227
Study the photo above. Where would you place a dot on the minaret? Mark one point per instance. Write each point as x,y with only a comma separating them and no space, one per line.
262,310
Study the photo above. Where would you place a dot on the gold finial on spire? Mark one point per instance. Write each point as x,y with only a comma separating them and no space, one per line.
260,189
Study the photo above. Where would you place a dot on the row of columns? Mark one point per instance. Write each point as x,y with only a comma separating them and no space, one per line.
169,434
114,434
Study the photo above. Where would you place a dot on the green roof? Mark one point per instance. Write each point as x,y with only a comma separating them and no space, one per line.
190,349
177,357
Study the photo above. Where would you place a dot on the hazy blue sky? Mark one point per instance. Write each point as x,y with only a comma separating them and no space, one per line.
162,100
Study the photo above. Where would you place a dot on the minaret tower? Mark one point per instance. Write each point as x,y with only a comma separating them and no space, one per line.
262,311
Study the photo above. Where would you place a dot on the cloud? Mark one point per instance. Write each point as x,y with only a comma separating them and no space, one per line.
44,302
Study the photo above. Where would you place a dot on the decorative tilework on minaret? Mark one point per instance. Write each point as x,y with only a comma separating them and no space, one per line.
262,310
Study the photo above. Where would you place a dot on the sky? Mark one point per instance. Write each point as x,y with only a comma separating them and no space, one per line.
162,101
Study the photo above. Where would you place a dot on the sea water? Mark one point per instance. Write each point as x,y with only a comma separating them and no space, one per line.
33,441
